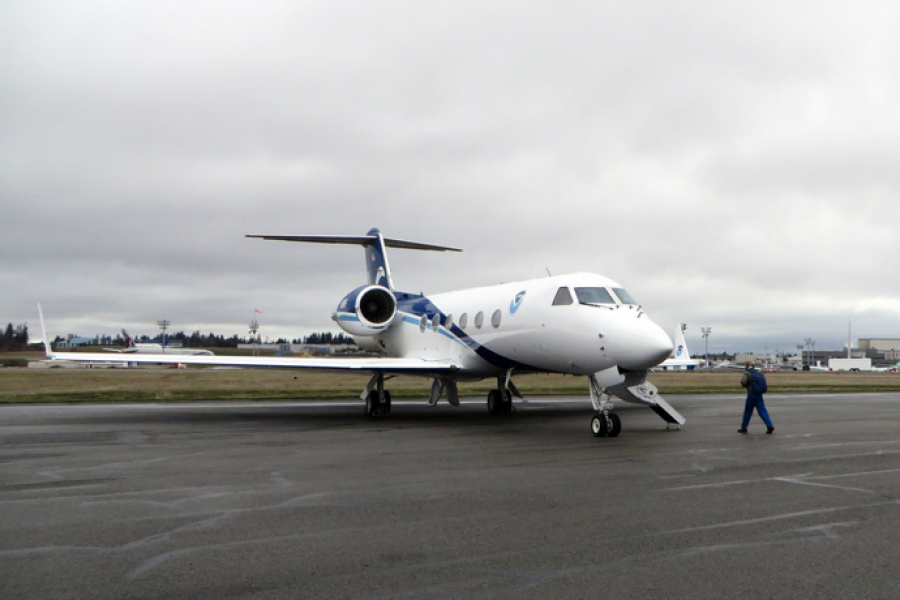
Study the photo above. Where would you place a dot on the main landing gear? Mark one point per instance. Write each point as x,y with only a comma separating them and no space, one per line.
499,401
378,406
378,400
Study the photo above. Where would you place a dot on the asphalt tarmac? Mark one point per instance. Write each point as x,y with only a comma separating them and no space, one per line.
227,500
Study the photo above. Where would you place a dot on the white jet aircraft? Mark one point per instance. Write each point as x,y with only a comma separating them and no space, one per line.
579,324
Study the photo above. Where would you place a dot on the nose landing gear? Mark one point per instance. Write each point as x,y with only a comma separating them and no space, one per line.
606,424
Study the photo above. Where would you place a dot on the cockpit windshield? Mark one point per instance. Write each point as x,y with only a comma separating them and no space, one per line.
594,295
624,297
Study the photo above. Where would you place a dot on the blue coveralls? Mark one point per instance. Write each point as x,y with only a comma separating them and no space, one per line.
755,400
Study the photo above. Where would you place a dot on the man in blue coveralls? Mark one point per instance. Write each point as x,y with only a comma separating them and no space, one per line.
754,400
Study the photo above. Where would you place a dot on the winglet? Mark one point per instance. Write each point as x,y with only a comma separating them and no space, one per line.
47,349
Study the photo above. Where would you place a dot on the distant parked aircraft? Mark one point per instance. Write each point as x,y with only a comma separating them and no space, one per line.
680,359
133,348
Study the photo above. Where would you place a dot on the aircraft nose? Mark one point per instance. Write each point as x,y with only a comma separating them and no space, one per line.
647,346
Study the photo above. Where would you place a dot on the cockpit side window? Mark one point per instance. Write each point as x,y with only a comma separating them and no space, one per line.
624,297
563,297
594,295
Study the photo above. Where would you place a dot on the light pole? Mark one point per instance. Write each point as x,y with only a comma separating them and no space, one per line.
254,327
706,331
812,344
800,348
163,324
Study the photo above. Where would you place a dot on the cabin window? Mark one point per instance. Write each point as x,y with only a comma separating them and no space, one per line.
448,322
479,320
463,320
594,295
563,297
624,297
436,322
495,318
423,323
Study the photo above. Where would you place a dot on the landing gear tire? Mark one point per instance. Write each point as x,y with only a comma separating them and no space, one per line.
615,425
493,402
598,425
499,403
606,425
378,407
371,404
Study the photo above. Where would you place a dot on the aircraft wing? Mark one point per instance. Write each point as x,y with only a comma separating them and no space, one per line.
408,366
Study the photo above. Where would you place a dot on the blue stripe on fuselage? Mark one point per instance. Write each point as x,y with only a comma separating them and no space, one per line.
418,306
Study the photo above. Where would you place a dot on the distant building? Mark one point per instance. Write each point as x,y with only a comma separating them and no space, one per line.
303,349
889,348
760,360
73,341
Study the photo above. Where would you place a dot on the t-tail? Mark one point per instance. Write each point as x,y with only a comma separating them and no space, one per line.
375,245
680,350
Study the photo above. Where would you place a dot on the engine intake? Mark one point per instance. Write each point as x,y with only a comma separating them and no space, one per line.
367,310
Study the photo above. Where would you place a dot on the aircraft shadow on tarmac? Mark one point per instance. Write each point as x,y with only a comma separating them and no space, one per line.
342,414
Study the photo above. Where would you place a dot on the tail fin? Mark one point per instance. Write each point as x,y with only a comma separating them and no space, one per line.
129,343
375,245
680,351
377,261
47,349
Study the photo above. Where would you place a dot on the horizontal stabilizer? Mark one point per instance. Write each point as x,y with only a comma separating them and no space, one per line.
359,240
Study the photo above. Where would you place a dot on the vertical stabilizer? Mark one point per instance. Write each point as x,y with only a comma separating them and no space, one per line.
680,350
47,349
377,261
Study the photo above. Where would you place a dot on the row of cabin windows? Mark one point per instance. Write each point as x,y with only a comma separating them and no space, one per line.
592,295
585,295
463,321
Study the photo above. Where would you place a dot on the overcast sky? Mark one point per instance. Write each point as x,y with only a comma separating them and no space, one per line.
732,164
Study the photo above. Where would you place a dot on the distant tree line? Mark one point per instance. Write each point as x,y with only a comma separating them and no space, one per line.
211,340
14,337
325,338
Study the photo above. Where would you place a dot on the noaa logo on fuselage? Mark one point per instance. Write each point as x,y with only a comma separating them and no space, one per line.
517,302
679,351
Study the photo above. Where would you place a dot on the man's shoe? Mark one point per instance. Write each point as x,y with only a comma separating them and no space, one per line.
745,431
770,430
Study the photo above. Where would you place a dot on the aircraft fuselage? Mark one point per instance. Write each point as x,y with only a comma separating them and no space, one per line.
527,327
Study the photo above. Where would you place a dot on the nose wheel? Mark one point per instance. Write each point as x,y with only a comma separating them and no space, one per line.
606,424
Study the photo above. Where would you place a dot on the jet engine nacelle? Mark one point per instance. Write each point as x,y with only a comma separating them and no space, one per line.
367,310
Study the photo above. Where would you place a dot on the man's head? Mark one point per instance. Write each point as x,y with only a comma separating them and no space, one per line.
749,364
